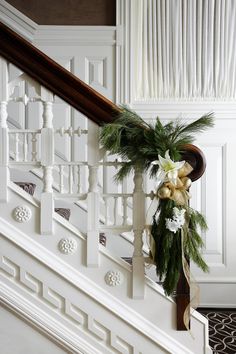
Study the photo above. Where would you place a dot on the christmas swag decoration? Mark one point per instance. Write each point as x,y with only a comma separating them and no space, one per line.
174,233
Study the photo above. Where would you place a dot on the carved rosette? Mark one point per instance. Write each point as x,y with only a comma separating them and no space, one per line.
114,278
22,213
67,245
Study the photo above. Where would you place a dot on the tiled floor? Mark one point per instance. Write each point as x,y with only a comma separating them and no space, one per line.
222,330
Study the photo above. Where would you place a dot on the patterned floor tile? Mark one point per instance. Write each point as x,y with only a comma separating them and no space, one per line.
222,330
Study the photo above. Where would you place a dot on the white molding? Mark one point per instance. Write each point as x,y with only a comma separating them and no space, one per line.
53,35
15,188
187,109
41,320
20,23
225,280
218,305
74,230
75,35
99,295
32,200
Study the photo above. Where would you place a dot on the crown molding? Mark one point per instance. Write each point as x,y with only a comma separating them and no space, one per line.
75,35
171,109
54,35
17,21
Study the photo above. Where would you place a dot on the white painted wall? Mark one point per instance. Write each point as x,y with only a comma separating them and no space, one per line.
18,337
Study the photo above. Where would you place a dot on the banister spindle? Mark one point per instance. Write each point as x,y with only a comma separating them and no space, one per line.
47,161
17,141
71,181
115,211
61,174
125,215
138,227
78,179
25,147
4,138
34,146
93,196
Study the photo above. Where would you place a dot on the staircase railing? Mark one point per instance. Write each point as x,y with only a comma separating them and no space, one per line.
25,148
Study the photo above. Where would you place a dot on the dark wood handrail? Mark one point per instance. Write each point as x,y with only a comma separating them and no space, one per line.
54,77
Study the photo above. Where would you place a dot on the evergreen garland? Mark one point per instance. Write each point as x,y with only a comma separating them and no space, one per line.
139,143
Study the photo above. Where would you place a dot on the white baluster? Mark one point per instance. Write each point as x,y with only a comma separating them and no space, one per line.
25,147
115,211
4,137
93,196
78,181
125,215
34,147
47,161
61,173
70,179
138,227
48,179
17,140
106,211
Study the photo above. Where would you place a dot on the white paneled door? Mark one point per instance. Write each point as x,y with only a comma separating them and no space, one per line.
215,196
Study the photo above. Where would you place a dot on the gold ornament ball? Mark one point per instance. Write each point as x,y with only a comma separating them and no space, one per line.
164,193
186,182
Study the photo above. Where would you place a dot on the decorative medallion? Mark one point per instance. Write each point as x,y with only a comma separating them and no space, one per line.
67,245
114,278
22,213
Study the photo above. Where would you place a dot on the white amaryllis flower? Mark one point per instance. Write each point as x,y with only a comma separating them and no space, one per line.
178,220
168,169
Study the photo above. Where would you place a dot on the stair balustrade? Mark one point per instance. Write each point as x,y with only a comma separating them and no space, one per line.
27,149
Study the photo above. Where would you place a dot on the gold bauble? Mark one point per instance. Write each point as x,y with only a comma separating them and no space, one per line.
164,193
186,182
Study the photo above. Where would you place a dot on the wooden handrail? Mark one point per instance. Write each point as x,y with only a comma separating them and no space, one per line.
54,77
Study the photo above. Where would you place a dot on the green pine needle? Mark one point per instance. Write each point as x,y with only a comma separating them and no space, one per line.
138,144
131,138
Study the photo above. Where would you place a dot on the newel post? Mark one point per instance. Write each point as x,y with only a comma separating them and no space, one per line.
138,227
47,161
4,138
93,196
195,157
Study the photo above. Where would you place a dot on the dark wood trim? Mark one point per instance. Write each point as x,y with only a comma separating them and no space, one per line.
182,301
54,77
195,157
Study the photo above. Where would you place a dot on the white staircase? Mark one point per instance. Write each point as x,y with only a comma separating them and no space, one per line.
63,281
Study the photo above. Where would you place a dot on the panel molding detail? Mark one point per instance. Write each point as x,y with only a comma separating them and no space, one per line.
53,296
96,71
57,303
